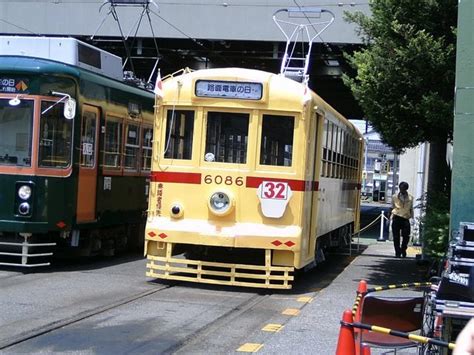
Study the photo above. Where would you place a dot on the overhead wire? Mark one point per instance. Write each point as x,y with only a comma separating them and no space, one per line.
312,25
21,28
191,38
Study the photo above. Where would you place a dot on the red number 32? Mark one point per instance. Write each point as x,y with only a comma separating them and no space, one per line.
274,190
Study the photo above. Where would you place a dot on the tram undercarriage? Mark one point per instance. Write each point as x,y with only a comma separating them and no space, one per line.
35,250
260,268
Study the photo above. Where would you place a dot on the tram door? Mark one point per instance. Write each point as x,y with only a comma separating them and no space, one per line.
316,127
87,184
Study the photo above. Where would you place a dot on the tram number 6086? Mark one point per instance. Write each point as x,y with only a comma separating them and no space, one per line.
227,180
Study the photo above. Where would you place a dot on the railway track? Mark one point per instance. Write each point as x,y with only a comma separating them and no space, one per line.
164,318
50,327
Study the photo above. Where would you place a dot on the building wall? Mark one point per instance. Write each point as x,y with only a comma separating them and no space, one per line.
462,193
413,170
204,19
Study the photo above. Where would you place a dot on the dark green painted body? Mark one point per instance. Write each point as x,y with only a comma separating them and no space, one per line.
53,201
55,198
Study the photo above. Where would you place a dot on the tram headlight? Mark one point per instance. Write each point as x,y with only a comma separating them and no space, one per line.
177,210
24,192
24,208
221,203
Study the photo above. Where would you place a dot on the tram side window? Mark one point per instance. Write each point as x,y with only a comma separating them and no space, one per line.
277,140
147,136
16,132
113,143
55,136
324,166
89,120
132,147
227,137
179,134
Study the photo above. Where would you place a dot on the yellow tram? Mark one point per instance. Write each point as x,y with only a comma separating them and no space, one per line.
253,176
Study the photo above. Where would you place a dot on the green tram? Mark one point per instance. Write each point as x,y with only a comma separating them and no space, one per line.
75,153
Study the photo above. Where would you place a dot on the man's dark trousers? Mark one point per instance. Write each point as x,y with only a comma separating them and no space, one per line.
401,226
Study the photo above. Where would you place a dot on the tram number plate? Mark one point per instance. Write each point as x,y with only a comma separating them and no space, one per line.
274,190
227,180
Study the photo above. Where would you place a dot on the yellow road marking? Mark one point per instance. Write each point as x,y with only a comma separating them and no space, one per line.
291,312
412,251
250,347
305,299
272,327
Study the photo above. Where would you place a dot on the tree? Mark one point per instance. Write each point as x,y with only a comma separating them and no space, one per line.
404,76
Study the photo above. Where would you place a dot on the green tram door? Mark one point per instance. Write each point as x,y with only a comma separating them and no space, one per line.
87,178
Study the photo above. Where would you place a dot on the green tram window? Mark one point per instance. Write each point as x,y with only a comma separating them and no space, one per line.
132,147
55,137
277,140
89,122
16,132
179,134
227,137
147,141
113,144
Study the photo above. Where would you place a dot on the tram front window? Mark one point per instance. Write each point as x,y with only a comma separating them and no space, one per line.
15,132
277,140
179,134
227,137
55,137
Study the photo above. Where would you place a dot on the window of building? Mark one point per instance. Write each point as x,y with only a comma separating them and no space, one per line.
227,136
179,134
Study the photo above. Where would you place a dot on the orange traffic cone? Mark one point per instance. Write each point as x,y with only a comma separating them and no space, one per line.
362,288
361,292
346,342
365,350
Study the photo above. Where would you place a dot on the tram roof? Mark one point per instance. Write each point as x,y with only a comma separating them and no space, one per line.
38,66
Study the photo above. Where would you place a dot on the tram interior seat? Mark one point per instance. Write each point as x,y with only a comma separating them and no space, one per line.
397,313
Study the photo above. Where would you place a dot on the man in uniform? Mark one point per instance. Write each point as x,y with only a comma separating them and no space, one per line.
402,212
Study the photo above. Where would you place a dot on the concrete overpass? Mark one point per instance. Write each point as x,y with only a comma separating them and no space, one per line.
196,33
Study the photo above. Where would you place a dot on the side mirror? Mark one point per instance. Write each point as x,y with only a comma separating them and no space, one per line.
69,108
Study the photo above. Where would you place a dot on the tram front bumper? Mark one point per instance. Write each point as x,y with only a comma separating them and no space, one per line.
163,234
237,235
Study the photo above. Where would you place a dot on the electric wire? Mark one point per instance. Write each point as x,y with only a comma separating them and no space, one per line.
191,38
21,28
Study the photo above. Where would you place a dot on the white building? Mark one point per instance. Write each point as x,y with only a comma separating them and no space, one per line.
412,168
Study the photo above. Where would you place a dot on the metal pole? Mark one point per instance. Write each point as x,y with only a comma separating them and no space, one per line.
365,166
382,222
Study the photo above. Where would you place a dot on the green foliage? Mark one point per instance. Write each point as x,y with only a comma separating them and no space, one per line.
435,225
404,78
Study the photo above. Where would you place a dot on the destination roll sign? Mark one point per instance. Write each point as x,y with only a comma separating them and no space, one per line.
13,85
229,89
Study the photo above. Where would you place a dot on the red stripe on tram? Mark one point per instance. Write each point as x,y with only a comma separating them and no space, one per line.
180,178
295,185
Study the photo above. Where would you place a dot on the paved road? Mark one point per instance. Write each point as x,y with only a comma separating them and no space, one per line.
108,306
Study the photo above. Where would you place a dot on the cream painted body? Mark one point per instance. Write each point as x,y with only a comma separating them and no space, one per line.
188,183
